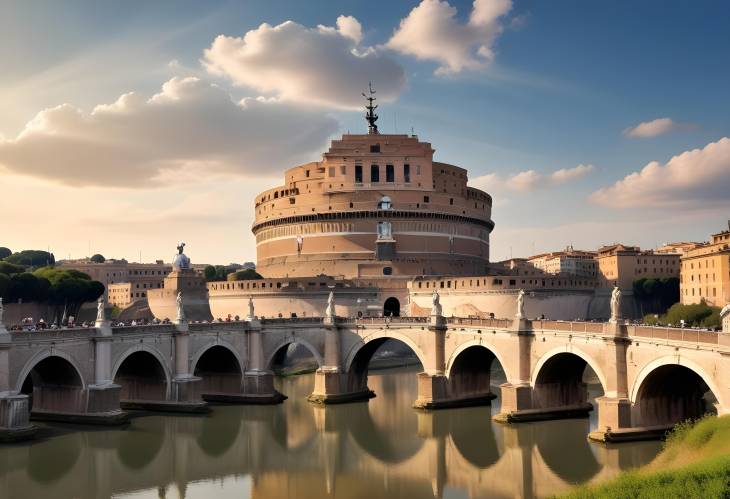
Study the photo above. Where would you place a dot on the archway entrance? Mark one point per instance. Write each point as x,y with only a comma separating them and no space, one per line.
141,377
219,370
391,307
54,385
673,393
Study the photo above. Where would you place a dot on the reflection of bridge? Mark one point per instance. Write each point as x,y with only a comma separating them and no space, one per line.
651,378
287,449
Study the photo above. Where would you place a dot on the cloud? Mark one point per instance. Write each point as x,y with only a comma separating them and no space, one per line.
529,180
432,32
323,65
691,179
189,130
654,128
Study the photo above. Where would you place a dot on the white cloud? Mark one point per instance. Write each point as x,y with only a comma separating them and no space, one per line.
323,65
432,32
529,180
653,128
695,178
189,130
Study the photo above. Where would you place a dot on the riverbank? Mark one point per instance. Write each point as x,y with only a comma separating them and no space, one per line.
695,463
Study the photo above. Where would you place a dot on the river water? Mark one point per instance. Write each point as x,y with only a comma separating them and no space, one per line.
377,449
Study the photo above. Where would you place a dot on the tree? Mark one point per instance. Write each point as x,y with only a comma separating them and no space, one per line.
69,289
32,258
97,258
244,275
4,252
9,268
28,287
209,273
656,295
4,286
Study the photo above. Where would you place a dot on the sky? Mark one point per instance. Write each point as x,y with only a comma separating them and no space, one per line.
127,127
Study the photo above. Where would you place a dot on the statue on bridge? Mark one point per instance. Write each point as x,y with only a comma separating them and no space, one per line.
436,307
180,309
100,310
330,311
520,304
250,315
615,304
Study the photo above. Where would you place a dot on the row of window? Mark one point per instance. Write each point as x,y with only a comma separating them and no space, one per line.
500,282
375,173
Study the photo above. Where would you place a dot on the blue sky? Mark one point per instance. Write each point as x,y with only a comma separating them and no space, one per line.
564,83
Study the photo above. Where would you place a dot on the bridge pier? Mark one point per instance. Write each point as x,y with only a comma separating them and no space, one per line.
258,382
331,385
14,407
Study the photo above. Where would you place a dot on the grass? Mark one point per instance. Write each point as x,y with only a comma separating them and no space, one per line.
695,463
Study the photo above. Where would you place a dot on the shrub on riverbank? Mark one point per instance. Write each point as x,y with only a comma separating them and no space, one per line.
695,462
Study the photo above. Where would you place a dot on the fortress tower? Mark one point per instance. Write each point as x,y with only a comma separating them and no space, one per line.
375,205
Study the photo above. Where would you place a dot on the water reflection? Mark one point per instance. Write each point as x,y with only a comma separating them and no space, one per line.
380,448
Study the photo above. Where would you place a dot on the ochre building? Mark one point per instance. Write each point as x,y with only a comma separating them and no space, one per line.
375,205
706,272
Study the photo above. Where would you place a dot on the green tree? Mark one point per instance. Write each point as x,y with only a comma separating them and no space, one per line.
209,273
9,268
244,275
28,287
69,289
97,258
4,286
32,258
5,252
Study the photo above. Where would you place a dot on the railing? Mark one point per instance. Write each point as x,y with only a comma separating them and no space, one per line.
470,321
676,334
392,320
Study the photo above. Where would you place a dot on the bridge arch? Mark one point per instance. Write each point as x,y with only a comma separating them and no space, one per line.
288,341
220,367
477,343
469,370
383,334
557,378
358,359
44,354
53,380
657,401
145,377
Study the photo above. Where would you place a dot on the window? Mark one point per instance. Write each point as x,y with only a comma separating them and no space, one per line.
389,271
425,199
451,200
358,174
406,173
292,200
332,171
343,169
375,148
418,169
389,173
307,173
374,173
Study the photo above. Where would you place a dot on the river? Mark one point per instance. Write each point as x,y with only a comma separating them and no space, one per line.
377,449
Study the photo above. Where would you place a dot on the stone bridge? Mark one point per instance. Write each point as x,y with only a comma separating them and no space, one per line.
651,378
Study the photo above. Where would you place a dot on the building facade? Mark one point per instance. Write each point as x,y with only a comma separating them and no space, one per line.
620,265
375,205
124,282
706,272
570,262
